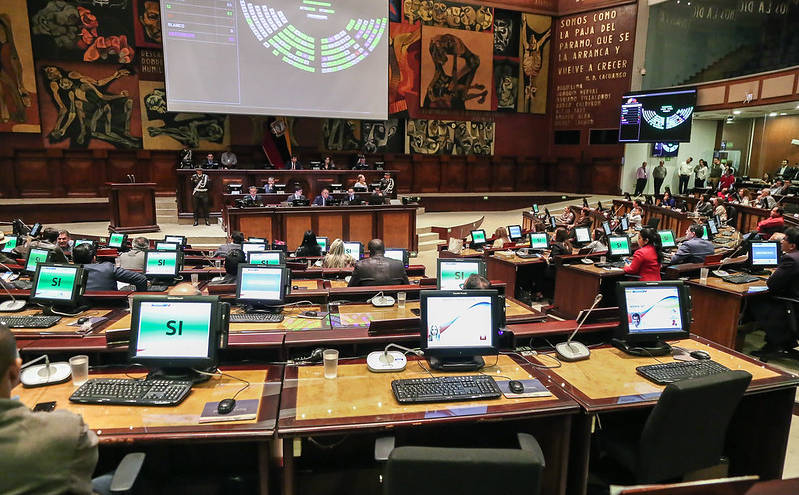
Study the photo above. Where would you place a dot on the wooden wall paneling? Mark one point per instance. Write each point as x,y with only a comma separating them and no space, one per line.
361,228
256,226
137,208
566,175
81,171
527,174
329,225
601,176
120,165
397,229
8,181
404,166
161,167
453,174
426,173
32,173
294,227
478,174
503,169
547,168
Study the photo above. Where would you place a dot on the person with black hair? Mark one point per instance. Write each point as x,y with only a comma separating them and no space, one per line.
476,281
648,257
104,276
201,184
309,246
561,245
297,194
235,240
48,240
377,269
294,164
704,207
232,261
693,249
599,244
774,223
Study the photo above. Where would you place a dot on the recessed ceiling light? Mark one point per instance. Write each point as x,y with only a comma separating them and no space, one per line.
783,113
736,112
772,114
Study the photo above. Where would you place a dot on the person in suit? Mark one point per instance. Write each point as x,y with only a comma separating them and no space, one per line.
323,199
377,197
377,269
783,282
104,276
785,170
352,198
134,259
48,240
693,249
361,164
269,187
210,162
252,199
297,194
294,164
648,257
65,243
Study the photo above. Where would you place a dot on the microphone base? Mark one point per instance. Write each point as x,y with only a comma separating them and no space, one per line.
376,363
572,351
12,306
38,376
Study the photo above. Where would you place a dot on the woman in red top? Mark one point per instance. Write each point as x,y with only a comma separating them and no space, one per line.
648,257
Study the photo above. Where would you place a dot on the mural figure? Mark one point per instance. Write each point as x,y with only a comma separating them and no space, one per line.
341,134
150,18
14,97
532,59
452,90
437,137
382,136
187,129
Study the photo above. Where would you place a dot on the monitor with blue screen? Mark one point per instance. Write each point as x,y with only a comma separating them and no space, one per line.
253,246
651,312
606,227
625,223
261,284
582,235
763,254
515,232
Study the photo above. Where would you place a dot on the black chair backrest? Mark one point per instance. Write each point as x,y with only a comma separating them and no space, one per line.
732,215
687,428
653,223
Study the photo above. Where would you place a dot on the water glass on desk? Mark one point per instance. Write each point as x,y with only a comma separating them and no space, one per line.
80,369
703,272
330,358
401,296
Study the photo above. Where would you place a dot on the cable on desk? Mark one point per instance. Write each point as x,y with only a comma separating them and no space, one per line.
222,373
328,446
493,365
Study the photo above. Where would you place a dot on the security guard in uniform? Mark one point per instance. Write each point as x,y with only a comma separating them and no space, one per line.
200,199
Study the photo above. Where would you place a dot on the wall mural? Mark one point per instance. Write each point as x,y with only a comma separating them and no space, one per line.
506,33
341,135
162,130
383,137
536,31
449,137
84,30
83,104
448,14
147,23
506,84
19,106
404,58
456,69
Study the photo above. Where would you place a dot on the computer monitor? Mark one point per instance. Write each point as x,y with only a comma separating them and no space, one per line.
478,238
322,241
705,233
36,229
36,256
763,254
606,227
253,246
117,240
11,243
257,239
667,238
162,265
458,327
180,240
625,223
173,335
354,249
261,285
451,273
78,242
515,232
539,241
535,208
552,223
618,246
712,226
717,218
399,255
651,312
582,235
58,285
266,258
166,246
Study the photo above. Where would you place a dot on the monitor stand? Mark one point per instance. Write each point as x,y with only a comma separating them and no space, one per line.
756,270
259,308
179,374
457,364
645,349
68,310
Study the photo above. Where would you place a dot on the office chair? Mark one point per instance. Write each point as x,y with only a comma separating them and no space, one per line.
732,216
684,432
791,309
126,473
437,470
653,223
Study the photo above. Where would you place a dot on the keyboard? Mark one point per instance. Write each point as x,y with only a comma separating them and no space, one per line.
23,284
742,278
665,373
132,392
256,317
31,321
611,264
445,389
157,288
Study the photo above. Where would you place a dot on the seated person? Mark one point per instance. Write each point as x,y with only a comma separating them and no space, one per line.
323,199
377,269
309,247
377,197
775,221
65,243
251,199
209,162
784,282
235,240
360,184
41,452
561,244
3,258
668,200
584,220
184,289
294,164
703,206
297,194
693,249
765,200
567,217
598,245
718,209
269,187
351,198
476,281
134,259
635,217
648,257
48,240
104,276
328,164
500,238
232,260
336,257
361,163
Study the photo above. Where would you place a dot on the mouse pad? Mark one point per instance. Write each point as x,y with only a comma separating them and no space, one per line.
245,409
532,388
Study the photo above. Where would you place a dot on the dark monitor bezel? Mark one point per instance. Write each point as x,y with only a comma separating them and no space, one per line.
285,281
121,244
281,257
36,229
711,226
673,238
587,231
606,227
629,245
750,252
178,264
481,268
623,330
78,287
405,255
511,236
360,249
164,243
530,240
535,208
263,247
624,222
327,243
217,327
91,242
6,249
180,244
28,258
485,238
553,223
426,295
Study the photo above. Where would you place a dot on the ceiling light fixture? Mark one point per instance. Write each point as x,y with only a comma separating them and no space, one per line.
736,112
772,114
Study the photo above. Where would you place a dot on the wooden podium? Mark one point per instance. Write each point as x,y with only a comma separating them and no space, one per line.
132,207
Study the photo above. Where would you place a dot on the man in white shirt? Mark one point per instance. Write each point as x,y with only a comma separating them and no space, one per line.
686,169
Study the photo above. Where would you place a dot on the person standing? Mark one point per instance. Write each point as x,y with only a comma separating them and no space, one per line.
387,184
700,174
229,159
659,174
199,195
715,173
686,169
184,157
640,179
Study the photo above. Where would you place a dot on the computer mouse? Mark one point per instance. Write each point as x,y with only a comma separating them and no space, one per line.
225,406
516,386
83,319
699,355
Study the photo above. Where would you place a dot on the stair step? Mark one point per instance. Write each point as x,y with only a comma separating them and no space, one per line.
427,236
423,230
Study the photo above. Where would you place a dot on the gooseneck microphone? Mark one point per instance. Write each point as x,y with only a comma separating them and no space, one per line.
575,351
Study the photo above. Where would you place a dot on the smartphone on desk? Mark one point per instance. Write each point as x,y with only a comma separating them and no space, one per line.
314,315
44,406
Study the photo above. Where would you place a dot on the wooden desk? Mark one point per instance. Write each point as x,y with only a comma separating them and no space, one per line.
718,307
358,401
511,268
65,327
607,382
394,224
577,285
